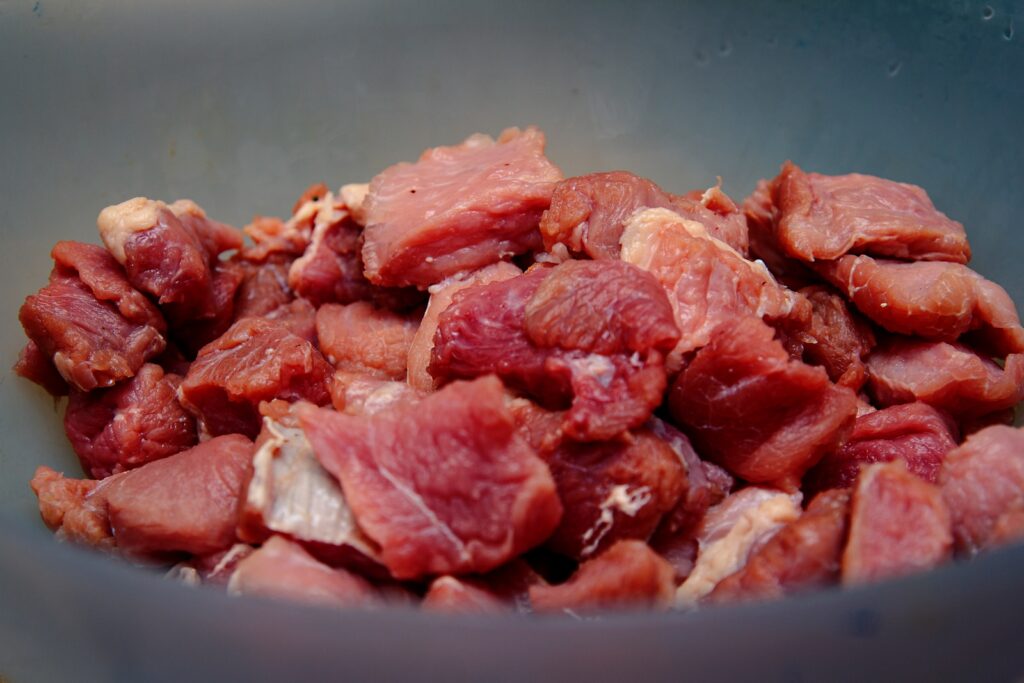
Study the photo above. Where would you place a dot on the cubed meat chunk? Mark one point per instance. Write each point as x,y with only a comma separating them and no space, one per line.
264,288
68,508
758,413
983,485
256,360
362,338
837,339
449,594
135,422
899,525
89,321
35,366
276,239
361,394
762,216
457,208
444,485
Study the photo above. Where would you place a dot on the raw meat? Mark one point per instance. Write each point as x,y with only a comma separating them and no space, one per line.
362,338
445,485
449,594
68,508
837,339
298,317
756,412
138,421
629,575
256,360
360,394
983,482
264,288
915,433
457,208
762,215
35,366
899,524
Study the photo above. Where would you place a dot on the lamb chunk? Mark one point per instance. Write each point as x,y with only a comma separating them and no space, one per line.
837,339
445,485
193,335
756,412
613,490
708,282
89,321
629,575
283,569
67,508
138,421
899,524
35,366
298,317
263,289
588,213
730,532
360,337
360,394
824,217
441,296
982,481
915,433
449,594
762,215
256,360
951,377
938,301
804,554
457,208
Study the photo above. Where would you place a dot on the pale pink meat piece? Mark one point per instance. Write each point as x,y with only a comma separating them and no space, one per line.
67,508
762,215
899,525
837,339
824,217
359,337
450,595
274,238
444,485
355,393
457,208
983,482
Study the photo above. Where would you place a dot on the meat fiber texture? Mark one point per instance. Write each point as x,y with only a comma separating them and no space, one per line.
589,336
443,486
588,213
360,337
457,208
93,326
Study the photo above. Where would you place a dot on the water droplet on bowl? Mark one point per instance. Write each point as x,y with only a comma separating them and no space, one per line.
893,69
1008,31
987,12
773,41
702,57
725,48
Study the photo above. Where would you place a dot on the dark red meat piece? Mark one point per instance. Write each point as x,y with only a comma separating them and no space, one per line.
362,338
264,288
192,335
35,366
298,317
836,339
445,485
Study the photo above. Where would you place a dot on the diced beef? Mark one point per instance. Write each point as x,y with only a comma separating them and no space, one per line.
824,217
755,411
135,422
94,327
983,481
915,433
708,282
588,213
283,569
264,288
729,533
607,364
613,490
192,335
836,339
445,485
35,366
360,337
762,215
68,508
298,317
457,208
948,376
441,296
899,524
939,301
361,394
629,575
805,553
256,360
449,594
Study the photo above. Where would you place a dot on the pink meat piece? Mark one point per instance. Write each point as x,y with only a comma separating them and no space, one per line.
457,208
356,393
450,595
1009,528
708,282
762,215
445,485
939,301
362,338
899,525
951,377
68,508
604,363
35,366
441,296
588,213
169,252
836,339
628,575
298,317
213,568
804,554
915,433
282,569
824,217
983,481
138,421
256,360
756,412
263,289
276,239
93,326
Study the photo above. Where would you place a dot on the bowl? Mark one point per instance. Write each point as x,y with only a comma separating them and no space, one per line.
241,105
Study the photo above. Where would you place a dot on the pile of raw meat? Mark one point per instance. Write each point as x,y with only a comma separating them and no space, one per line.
476,385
